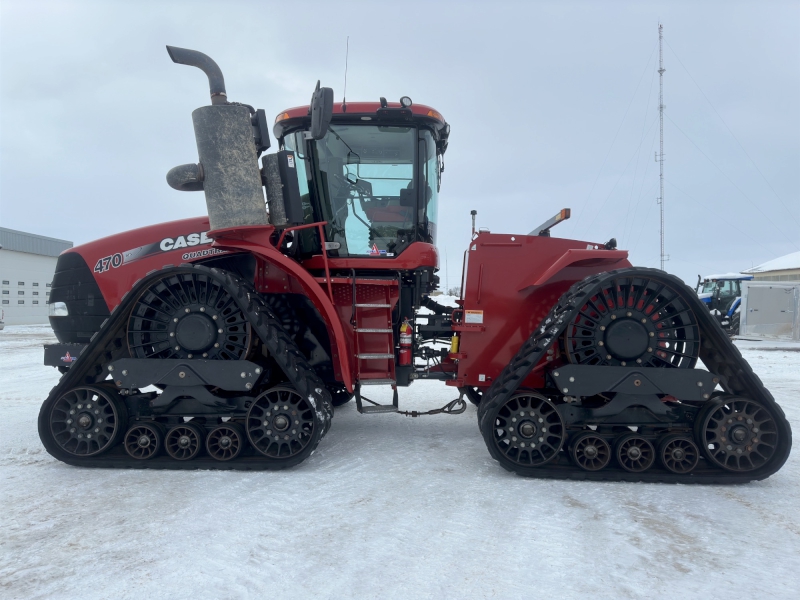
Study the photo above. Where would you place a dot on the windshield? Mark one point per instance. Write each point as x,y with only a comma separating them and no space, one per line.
365,185
726,287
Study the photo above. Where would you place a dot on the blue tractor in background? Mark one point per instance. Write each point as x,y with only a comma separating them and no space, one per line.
722,294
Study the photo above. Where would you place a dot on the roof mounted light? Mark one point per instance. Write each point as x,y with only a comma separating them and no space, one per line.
405,102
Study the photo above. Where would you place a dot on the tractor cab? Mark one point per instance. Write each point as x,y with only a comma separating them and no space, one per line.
722,295
371,171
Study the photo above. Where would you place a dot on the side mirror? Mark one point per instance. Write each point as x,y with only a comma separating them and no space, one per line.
321,110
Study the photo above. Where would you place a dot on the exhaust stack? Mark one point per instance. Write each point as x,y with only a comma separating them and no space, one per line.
228,171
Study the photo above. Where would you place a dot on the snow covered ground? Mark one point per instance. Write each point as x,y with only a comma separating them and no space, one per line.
388,507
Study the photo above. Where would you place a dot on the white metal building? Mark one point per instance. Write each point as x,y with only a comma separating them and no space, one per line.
785,268
27,265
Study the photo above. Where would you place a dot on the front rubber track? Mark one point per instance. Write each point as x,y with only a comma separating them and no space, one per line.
109,344
717,352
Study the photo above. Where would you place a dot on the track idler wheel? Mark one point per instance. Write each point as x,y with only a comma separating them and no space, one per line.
283,425
225,442
736,434
87,421
590,451
525,431
184,442
144,440
678,454
634,453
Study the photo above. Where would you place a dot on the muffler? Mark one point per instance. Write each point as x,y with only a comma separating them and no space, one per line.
228,170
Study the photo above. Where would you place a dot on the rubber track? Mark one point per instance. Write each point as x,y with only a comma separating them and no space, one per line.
108,344
717,352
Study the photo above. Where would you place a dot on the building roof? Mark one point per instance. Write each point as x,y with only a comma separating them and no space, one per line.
19,241
726,276
784,263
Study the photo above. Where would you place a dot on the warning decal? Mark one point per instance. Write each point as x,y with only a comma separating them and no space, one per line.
473,316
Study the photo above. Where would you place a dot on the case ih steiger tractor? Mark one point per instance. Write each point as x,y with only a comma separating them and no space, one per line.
225,341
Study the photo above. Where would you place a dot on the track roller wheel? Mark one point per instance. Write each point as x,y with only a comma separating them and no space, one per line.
678,454
184,441
225,442
590,451
144,440
87,421
525,431
736,434
634,453
283,425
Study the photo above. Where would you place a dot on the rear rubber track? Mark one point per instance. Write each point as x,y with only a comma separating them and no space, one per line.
717,352
109,344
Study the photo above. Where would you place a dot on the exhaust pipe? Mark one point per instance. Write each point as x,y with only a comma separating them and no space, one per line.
228,171
193,58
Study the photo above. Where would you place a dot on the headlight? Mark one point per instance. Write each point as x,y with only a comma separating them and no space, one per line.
405,102
58,309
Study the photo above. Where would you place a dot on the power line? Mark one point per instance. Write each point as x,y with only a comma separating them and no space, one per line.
580,215
647,214
734,136
718,215
641,189
746,197
630,160
636,170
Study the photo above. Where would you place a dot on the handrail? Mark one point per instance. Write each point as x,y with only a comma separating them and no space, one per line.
319,227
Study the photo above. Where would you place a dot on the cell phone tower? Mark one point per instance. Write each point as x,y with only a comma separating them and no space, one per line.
660,157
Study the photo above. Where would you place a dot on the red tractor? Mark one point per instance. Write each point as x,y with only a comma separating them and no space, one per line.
225,341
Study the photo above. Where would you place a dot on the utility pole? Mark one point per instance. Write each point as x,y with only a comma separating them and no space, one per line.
660,157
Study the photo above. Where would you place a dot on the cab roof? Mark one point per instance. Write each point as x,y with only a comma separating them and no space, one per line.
365,111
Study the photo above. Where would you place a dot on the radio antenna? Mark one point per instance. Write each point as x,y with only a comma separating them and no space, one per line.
346,57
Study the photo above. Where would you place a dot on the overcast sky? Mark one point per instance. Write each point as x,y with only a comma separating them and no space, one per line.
552,105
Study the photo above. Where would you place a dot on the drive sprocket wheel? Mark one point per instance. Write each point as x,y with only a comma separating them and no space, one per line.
184,442
634,453
736,433
87,421
590,451
188,315
634,321
678,454
144,440
526,431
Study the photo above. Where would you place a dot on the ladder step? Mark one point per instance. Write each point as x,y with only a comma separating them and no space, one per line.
373,305
374,356
383,408
377,381
374,330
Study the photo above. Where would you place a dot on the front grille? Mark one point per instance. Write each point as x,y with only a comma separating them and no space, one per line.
74,284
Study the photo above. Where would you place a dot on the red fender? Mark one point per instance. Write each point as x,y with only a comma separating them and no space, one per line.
579,258
256,240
